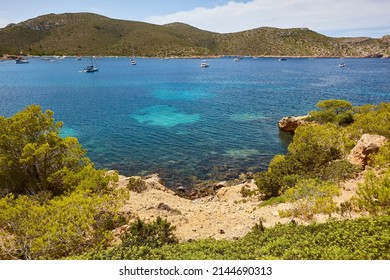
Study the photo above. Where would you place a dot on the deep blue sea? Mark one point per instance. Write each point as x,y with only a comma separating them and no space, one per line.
182,121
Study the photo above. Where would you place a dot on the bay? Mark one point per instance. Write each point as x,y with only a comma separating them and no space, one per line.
182,121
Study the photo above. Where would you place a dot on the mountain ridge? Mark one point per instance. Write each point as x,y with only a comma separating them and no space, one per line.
93,34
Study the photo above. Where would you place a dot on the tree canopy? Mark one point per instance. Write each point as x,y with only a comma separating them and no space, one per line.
53,202
33,155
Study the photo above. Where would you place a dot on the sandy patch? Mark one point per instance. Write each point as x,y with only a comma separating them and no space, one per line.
226,215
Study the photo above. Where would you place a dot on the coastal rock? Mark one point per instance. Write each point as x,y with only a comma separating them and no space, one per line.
367,145
154,181
289,124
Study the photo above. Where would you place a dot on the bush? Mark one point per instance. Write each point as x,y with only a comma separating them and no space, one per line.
333,111
155,234
269,184
339,170
65,225
359,239
136,185
53,202
372,120
327,143
141,242
382,158
373,194
310,197
314,150
33,156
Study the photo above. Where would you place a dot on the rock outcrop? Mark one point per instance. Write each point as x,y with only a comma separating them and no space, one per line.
289,124
367,145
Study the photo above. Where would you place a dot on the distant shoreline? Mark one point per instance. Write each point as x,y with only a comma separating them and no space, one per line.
13,57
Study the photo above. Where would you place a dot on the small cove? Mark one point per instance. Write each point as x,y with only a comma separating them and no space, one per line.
182,121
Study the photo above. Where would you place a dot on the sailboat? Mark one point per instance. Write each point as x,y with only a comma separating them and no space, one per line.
21,59
91,68
132,60
204,63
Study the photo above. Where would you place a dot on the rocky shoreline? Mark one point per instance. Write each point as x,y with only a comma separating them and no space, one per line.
290,124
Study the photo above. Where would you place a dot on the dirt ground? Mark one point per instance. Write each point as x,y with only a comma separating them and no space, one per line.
225,215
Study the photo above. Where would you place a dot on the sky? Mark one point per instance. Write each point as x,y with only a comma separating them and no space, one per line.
336,18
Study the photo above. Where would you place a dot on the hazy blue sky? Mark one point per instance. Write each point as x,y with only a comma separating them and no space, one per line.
330,17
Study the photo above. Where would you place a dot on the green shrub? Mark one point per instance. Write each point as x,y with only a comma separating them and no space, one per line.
272,201
339,170
140,242
346,208
63,226
310,197
382,158
245,191
136,185
33,156
375,120
154,234
333,111
269,184
313,153
373,194
327,141
359,239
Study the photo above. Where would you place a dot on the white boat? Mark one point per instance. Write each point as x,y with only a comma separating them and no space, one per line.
237,59
342,65
132,60
91,68
21,61
282,59
204,64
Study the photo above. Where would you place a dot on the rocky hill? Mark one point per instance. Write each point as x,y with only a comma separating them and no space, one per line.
91,34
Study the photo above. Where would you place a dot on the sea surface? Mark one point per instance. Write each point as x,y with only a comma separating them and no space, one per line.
182,121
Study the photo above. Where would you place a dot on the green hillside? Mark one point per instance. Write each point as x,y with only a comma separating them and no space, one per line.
91,34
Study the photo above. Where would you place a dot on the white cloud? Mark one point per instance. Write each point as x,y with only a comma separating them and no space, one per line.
329,17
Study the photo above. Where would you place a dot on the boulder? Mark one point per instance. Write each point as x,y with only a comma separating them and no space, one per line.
289,124
366,145
153,181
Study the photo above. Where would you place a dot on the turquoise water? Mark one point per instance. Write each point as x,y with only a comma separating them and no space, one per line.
182,121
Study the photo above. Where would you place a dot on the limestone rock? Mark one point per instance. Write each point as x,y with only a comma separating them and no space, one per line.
367,145
154,181
289,124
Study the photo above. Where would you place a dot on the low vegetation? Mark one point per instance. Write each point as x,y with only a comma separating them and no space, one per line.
319,149
54,204
364,238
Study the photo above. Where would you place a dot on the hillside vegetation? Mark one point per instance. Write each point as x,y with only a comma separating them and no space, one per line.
91,34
